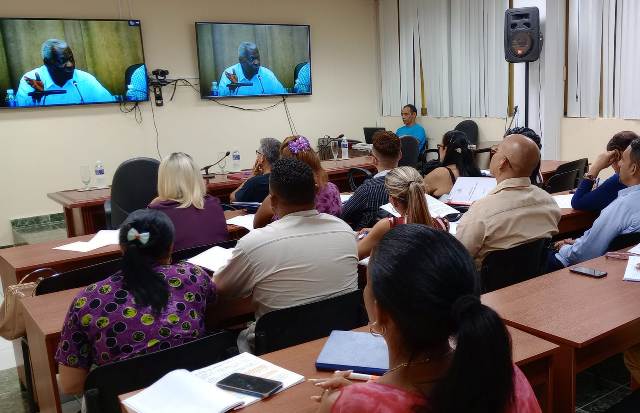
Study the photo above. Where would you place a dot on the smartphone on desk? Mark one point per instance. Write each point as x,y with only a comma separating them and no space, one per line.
589,272
251,385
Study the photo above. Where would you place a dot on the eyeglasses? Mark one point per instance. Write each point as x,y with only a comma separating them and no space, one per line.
258,152
440,146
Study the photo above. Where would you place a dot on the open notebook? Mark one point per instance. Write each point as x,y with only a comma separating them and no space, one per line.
196,391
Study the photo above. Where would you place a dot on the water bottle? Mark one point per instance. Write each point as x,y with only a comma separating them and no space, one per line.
99,171
344,144
235,157
11,98
214,89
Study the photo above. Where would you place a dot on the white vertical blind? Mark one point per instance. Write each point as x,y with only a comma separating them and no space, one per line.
628,59
608,57
435,45
409,60
389,57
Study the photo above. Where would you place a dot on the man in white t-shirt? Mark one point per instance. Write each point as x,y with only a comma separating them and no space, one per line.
303,257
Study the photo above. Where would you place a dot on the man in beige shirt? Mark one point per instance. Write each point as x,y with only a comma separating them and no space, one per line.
514,212
303,257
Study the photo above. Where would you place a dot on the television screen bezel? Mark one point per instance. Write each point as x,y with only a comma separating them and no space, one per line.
308,26
144,61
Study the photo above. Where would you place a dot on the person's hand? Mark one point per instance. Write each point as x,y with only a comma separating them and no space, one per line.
559,244
603,161
36,84
335,382
363,232
257,167
233,78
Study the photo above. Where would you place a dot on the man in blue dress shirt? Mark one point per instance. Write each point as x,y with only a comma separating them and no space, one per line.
247,77
303,81
411,128
622,216
58,82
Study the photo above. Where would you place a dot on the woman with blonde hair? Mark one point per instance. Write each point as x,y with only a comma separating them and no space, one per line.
407,195
327,195
198,218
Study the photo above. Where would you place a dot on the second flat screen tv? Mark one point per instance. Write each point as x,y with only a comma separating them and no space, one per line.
237,59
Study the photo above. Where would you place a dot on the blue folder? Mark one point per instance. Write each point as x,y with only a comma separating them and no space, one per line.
351,350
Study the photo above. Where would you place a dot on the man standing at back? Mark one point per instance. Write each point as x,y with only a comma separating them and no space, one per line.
362,208
411,128
515,212
303,257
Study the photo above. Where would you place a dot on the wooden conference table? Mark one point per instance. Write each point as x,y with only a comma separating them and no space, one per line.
84,211
533,355
590,319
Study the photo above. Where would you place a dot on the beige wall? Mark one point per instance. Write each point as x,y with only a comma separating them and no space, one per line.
42,150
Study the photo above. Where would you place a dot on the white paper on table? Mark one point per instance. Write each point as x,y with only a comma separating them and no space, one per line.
563,201
486,172
105,237
437,209
345,197
181,391
247,363
244,221
364,261
635,250
467,190
632,273
212,259
78,246
453,227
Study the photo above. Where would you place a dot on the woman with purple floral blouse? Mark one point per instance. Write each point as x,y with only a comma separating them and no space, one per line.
149,305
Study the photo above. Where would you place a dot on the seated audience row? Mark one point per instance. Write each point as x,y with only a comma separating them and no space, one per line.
256,188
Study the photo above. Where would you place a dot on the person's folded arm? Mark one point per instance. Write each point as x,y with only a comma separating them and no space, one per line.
586,199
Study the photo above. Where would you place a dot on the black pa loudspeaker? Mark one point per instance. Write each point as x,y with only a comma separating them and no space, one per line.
522,40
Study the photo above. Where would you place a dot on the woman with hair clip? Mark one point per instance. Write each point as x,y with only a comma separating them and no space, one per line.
148,305
327,195
456,160
448,352
406,194
198,218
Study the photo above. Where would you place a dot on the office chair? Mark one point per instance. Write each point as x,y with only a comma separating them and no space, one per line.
470,128
630,404
134,186
129,72
580,165
357,176
105,383
410,151
296,70
624,241
559,182
511,266
291,326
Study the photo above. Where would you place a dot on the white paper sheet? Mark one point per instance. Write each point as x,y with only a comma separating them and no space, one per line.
181,391
467,190
244,221
632,273
636,249
101,239
213,259
345,197
453,227
364,261
436,208
563,201
79,246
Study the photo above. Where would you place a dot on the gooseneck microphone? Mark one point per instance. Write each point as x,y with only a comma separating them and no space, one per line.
78,89
261,85
205,169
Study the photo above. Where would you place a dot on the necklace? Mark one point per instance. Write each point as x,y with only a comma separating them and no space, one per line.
406,364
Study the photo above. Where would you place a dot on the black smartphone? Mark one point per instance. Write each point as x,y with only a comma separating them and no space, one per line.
251,385
589,272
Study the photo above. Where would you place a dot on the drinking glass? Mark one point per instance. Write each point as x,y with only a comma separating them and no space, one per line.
334,150
223,162
85,176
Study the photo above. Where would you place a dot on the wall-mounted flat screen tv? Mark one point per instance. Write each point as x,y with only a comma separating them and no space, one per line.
237,59
53,62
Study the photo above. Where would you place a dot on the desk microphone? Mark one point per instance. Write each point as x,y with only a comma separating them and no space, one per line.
515,112
261,85
205,169
78,89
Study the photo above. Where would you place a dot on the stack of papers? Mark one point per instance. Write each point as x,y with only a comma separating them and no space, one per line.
345,197
212,259
101,239
244,221
467,190
437,208
563,201
632,273
181,391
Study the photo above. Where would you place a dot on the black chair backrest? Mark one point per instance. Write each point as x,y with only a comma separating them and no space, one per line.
134,186
624,241
291,326
580,165
296,70
470,128
129,72
356,176
78,277
105,383
559,182
410,151
507,267
630,404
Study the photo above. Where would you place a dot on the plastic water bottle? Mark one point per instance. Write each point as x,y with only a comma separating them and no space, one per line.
344,144
99,171
214,89
235,157
11,98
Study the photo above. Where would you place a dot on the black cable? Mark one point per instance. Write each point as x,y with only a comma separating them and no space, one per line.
247,109
155,126
292,125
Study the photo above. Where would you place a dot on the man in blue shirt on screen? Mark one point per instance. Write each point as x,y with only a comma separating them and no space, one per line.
411,128
247,77
58,82
303,81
